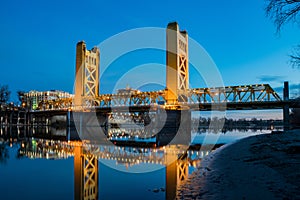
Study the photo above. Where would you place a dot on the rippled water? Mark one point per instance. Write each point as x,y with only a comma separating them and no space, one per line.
45,164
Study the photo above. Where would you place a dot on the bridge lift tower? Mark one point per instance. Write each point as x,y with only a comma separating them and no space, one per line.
87,75
177,126
177,64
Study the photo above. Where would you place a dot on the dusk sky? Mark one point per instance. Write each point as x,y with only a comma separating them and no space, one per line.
38,40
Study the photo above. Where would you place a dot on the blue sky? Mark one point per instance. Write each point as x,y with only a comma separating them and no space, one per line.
38,39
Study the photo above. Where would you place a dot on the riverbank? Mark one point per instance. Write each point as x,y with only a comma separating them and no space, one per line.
258,167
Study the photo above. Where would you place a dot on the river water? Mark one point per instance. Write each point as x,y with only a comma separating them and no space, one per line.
46,164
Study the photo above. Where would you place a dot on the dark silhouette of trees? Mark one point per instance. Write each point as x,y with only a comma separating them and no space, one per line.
20,94
282,12
4,94
202,124
295,116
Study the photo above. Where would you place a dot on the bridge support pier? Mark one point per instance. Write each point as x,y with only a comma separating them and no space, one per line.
89,125
286,109
176,129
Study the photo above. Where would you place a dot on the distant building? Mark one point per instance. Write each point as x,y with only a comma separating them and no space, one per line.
33,98
127,91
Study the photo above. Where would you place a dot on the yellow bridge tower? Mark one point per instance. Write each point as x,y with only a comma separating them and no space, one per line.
87,75
177,64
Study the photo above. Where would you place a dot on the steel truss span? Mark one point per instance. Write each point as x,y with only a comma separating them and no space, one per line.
251,96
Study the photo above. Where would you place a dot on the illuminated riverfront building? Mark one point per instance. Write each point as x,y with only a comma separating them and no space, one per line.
33,99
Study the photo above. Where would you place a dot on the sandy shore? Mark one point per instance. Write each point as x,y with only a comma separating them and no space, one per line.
258,167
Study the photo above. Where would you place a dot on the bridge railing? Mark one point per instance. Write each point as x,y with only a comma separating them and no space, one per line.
131,99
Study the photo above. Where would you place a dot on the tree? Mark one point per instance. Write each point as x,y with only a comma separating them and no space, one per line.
295,115
4,94
295,57
20,94
282,12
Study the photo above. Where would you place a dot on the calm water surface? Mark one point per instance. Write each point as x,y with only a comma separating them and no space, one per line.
44,164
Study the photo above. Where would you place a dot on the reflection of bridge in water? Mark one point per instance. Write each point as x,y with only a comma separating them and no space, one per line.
175,159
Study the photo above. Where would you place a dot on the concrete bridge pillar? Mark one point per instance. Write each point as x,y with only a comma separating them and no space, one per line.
89,125
176,129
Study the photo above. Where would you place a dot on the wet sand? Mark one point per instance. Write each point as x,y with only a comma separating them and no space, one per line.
258,167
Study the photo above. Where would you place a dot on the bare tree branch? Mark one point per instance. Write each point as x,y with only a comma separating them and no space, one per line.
295,57
283,11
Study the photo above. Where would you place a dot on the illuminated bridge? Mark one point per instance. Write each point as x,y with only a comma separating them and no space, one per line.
176,96
259,96
177,100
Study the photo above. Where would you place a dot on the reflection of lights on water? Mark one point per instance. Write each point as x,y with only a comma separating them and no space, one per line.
136,155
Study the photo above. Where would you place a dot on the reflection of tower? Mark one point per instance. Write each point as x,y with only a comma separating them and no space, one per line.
177,64
177,171
87,74
85,175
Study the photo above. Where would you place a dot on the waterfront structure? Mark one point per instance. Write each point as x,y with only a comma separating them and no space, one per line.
176,96
177,68
36,99
87,75
127,91
176,101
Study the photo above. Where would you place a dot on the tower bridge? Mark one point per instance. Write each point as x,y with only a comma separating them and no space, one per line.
177,94
177,100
